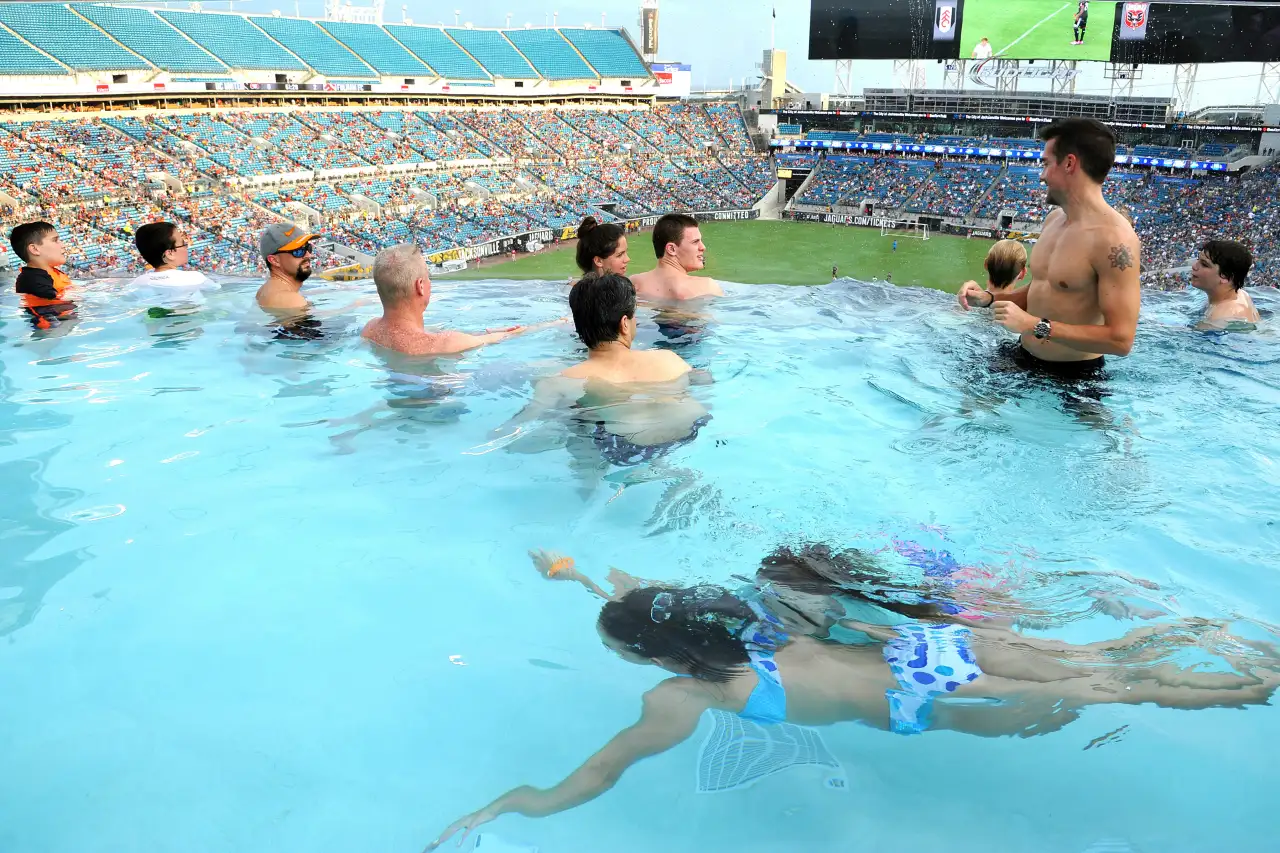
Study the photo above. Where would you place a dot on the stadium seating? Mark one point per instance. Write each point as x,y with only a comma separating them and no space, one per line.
439,51
1018,190
727,121
837,181
606,130
560,136
552,56
294,140
153,39
505,130
315,47
443,136
377,48
646,125
690,122
608,52
953,189
68,38
492,50
356,132
234,40
16,57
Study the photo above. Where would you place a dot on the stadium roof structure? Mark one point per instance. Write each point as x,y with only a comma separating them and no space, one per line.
79,39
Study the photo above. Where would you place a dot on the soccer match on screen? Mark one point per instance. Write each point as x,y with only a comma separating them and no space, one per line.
639,426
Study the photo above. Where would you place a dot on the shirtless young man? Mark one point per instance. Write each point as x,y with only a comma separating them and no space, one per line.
677,242
1084,296
1220,272
637,400
404,286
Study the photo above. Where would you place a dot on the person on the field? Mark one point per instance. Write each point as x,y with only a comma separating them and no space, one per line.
1083,301
982,50
1081,22
1220,272
677,243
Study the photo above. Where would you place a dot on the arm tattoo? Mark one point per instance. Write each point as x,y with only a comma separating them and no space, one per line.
1120,257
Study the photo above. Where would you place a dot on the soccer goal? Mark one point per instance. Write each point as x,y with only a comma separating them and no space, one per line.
915,230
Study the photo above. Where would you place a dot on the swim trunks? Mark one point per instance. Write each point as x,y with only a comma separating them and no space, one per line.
1012,353
928,661
622,451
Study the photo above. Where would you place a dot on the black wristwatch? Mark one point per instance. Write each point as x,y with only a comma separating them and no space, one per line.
1042,329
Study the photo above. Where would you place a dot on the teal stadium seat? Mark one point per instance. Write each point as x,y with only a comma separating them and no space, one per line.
492,50
17,58
234,40
377,48
439,51
68,38
608,51
153,39
315,47
551,55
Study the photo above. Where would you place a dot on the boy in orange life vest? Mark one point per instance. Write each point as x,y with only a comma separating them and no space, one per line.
40,282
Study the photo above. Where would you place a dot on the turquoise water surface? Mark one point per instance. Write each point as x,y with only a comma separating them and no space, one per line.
265,594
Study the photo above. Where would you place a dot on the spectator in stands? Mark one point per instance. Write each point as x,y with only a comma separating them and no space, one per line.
677,242
40,282
1220,272
163,245
403,280
286,248
602,249
1084,296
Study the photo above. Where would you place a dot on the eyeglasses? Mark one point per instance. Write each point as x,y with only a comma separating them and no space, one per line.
300,252
177,247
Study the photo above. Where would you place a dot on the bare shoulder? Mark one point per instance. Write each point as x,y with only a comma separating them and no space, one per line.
668,362
714,288
677,695
1115,245
1055,219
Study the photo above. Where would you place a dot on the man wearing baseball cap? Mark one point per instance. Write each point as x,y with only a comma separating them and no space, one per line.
286,248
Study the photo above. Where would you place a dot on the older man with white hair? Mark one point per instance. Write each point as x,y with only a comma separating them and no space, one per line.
404,286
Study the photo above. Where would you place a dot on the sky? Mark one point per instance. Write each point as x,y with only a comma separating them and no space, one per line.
725,47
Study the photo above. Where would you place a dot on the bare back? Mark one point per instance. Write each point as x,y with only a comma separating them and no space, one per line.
631,367
1065,271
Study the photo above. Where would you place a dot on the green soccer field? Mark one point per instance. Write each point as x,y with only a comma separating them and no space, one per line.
783,253
1036,29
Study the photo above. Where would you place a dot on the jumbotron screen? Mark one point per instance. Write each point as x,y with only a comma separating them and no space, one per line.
1152,33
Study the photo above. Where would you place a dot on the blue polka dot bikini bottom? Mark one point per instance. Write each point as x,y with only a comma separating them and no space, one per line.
928,661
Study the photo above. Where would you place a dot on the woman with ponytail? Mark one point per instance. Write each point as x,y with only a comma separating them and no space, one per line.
726,651
602,249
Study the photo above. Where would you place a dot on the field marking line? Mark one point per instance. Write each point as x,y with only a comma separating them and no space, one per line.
1043,21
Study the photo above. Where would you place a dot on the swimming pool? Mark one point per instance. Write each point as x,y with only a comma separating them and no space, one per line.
258,594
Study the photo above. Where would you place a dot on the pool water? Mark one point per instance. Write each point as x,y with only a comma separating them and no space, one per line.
265,594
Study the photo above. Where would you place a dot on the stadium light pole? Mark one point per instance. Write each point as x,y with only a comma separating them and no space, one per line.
457,13
508,20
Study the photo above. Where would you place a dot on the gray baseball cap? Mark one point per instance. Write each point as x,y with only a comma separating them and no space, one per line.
283,237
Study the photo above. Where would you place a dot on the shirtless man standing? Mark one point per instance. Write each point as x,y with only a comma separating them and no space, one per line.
404,286
677,242
1084,296
1220,272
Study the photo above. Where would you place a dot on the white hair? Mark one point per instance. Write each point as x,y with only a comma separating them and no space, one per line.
396,269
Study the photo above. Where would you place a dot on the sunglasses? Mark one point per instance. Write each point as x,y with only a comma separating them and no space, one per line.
300,252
